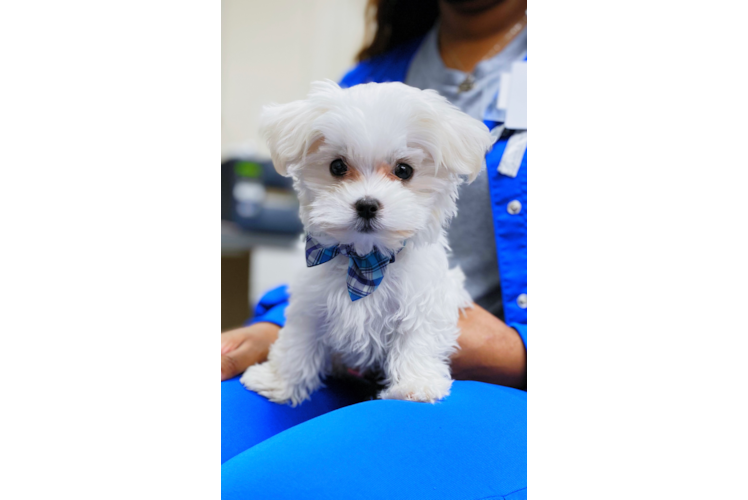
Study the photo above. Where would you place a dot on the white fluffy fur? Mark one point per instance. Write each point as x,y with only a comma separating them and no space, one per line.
408,326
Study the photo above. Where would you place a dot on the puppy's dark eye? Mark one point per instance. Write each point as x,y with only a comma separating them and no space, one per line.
338,168
403,171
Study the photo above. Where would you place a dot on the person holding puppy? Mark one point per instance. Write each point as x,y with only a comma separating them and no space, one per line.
460,48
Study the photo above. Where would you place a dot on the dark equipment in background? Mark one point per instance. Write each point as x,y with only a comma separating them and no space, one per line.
257,199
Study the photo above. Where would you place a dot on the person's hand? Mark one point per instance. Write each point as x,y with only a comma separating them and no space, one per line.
246,346
489,351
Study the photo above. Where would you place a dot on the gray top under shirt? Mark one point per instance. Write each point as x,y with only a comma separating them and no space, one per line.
471,233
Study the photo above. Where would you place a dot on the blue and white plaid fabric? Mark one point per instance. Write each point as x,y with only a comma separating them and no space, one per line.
364,273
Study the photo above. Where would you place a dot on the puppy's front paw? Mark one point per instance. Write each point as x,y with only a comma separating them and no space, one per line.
264,381
425,392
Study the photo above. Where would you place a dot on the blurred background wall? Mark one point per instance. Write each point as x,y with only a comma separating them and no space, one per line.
270,51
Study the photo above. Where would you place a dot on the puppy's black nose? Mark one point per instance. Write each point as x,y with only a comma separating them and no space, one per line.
367,208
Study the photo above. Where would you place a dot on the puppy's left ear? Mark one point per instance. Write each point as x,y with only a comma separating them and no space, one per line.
465,140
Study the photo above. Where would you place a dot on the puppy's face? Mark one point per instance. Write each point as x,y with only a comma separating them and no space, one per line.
376,164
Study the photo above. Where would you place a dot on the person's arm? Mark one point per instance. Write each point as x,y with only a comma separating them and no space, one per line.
490,351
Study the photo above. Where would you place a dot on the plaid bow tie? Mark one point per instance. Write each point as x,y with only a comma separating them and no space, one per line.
364,273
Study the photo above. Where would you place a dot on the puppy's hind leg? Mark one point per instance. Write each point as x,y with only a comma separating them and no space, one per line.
295,366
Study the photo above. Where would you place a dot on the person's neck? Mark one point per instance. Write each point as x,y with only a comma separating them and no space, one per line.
469,31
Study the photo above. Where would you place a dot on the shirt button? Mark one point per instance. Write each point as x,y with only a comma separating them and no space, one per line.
522,301
514,207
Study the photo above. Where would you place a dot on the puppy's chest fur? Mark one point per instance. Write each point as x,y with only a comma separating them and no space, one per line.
360,334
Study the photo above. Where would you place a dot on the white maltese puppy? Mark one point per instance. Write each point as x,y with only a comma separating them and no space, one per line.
377,168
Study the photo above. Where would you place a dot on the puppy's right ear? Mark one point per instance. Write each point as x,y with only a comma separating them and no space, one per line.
285,128
290,129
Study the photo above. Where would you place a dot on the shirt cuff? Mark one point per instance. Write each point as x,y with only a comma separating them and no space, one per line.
522,330
276,315
272,307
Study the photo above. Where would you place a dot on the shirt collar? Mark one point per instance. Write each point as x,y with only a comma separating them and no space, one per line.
452,78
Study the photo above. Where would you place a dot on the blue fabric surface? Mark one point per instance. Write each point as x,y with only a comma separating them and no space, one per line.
471,445
248,418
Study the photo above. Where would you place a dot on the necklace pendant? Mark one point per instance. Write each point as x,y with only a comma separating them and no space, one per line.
467,84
